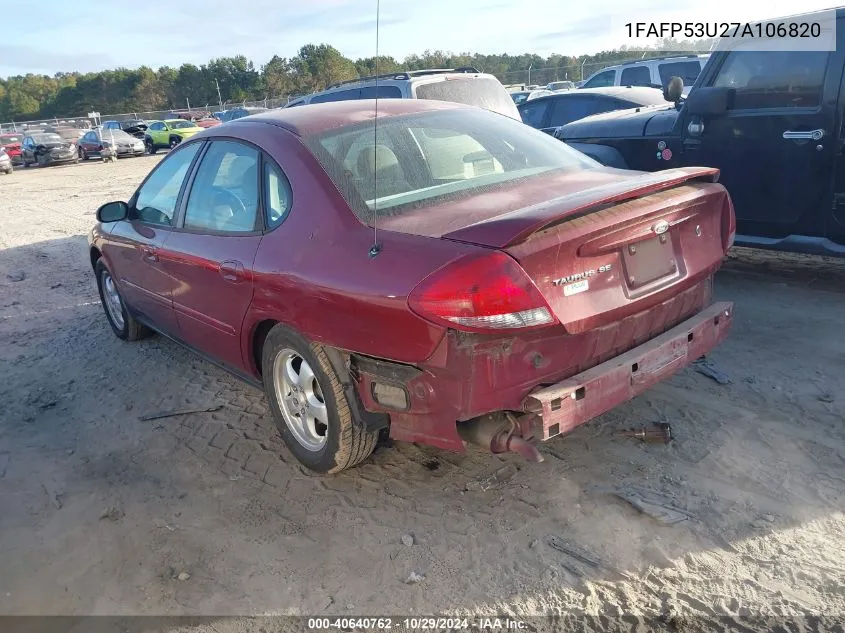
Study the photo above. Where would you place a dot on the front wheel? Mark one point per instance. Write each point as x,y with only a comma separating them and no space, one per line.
309,406
82,154
151,147
122,322
174,141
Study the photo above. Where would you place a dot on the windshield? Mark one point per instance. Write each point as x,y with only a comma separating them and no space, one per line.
47,138
178,125
482,92
431,157
10,138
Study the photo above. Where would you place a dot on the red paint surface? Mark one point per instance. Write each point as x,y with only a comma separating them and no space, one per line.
314,273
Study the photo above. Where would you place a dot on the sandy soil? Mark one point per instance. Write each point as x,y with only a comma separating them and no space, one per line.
101,512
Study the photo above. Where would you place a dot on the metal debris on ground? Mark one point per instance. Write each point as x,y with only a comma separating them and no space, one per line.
707,368
407,540
576,554
661,433
169,414
495,479
414,578
654,505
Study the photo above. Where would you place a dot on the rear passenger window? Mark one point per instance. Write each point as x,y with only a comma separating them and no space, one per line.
340,95
533,113
571,108
774,79
636,76
224,194
602,80
382,92
688,71
277,193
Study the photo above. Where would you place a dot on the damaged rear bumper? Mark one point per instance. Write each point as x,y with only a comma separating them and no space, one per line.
563,406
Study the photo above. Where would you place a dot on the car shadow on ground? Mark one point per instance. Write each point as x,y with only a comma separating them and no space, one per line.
208,513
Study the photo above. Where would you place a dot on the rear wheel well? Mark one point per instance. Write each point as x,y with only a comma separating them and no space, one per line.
95,255
259,336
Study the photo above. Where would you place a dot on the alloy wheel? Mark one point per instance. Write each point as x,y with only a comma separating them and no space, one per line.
112,300
300,399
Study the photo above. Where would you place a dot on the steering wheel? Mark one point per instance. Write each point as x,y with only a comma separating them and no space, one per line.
224,197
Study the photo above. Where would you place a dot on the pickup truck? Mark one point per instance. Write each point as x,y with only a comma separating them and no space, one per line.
773,123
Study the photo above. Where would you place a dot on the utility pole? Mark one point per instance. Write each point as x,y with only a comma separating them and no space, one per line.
189,104
529,73
582,68
219,98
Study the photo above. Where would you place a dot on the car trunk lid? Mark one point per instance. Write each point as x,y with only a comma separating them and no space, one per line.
603,253
613,244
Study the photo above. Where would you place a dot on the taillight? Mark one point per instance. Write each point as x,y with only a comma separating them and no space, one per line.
481,293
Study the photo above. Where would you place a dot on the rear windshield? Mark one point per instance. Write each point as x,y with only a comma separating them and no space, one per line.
414,161
482,92
10,138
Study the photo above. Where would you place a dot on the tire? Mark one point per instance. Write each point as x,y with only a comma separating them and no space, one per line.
129,329
151,147
174,141
345,443
83,155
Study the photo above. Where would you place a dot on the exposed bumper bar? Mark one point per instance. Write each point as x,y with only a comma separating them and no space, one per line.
561,407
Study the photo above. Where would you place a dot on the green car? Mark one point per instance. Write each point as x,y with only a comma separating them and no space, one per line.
168,133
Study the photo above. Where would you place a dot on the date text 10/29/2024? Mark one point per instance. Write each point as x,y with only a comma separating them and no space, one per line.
415,624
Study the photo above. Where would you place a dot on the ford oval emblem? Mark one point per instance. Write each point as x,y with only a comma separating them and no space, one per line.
661,227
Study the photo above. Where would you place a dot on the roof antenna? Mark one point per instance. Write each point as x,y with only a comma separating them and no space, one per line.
376,247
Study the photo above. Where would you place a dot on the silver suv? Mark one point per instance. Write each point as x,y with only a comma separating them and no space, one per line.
654,73
462,85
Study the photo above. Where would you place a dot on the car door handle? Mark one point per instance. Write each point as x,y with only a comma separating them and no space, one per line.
809,135
231,270
149,254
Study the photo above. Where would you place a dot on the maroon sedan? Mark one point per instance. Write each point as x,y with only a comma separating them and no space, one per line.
450,276
11,142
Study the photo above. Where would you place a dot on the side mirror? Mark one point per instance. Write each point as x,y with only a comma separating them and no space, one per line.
674,90
113,212
710,102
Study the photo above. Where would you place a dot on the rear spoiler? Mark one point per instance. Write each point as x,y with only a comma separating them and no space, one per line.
528,220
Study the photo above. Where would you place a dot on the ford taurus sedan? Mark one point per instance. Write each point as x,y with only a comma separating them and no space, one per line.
440,274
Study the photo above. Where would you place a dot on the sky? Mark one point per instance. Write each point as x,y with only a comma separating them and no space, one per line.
90,35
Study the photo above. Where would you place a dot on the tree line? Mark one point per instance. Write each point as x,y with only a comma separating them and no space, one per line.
236,79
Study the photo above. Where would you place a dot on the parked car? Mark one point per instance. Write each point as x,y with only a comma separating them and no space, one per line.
94,142
239,113
134,127
207,122
561,85
559,108
651,73
5,161
168,133
458,85
47,148
769,121
11,143
587,285
529,95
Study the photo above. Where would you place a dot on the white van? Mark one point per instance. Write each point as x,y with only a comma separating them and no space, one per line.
654,73
461,85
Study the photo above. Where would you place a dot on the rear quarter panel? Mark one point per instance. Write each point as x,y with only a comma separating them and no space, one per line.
314,272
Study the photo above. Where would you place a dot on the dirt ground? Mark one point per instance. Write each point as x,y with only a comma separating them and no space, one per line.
101,513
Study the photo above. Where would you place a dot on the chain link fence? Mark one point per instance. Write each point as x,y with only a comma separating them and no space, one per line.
528,76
